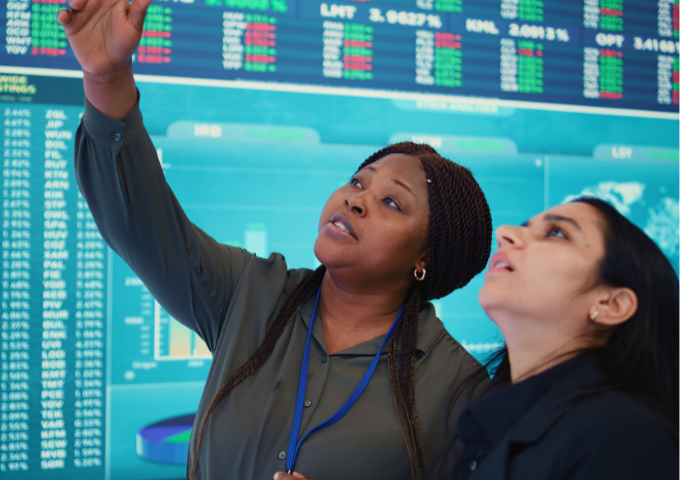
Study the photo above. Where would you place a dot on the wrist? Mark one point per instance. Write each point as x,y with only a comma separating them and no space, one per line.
115,75
113,93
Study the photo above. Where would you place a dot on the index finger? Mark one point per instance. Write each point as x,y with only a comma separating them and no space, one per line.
283,476
64,16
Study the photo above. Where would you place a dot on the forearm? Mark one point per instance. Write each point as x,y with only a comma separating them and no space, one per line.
121,179
113,93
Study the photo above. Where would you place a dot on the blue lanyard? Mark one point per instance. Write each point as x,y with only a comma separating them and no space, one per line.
294,446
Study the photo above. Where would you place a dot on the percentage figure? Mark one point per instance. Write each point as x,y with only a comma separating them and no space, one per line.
375,15
434,21
410,19
538,32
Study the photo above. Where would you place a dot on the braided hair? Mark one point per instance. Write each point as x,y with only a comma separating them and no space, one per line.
459,242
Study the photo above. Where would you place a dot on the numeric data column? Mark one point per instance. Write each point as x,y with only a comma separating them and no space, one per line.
448,60
453,6
603,14
248,42
357,51
665,76
611,15
676,79
591,14
155,45
347,50
665,18
16,291
611,74
260,43
88,433
530,68
528,10
48,37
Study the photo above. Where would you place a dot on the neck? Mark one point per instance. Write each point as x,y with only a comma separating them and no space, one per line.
350,317
532,348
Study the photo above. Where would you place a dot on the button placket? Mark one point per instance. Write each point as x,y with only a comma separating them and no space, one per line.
315,384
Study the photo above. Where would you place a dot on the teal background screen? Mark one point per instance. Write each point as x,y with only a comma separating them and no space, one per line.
88,357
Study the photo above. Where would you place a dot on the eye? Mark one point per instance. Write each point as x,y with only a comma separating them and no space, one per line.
391,203
556,231
355,181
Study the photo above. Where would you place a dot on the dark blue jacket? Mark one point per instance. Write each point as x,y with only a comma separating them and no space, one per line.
569,434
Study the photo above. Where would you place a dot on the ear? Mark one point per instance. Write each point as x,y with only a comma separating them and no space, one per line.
617,306
423,261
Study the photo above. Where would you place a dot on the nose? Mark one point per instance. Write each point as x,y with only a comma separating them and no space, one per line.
508,236
356,204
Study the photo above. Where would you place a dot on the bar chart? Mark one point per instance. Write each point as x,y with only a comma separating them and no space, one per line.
174,341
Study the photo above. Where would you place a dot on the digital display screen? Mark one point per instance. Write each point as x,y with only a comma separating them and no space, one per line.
613,53
258,110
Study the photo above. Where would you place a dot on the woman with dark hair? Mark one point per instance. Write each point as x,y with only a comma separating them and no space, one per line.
587,387
323,371
587,384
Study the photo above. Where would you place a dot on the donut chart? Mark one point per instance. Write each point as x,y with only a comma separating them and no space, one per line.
166,441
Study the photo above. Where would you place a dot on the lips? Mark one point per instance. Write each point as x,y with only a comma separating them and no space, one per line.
500,262
343,224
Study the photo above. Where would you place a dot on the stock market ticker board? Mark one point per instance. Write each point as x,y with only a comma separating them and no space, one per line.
612,53
97,381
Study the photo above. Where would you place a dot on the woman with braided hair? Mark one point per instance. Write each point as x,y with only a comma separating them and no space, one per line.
342,371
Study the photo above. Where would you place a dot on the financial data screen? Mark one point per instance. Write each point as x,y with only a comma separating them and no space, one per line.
259,110
614,53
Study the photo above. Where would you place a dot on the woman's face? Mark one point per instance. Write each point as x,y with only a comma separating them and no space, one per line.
374,228
545,269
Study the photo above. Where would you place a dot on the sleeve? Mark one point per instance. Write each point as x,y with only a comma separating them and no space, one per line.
191,275
622,445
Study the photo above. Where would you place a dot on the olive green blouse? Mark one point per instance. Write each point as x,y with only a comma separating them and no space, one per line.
230,297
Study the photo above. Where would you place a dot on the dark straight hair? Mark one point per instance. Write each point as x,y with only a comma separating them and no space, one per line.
641,355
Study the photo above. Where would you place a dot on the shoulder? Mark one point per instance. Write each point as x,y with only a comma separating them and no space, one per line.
613,436
293,279
450,350
442,355
263,287
614,412
270,273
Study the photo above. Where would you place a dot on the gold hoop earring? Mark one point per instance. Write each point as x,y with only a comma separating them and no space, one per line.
421,278
594,315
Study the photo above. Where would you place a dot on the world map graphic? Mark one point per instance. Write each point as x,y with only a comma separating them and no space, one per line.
655,213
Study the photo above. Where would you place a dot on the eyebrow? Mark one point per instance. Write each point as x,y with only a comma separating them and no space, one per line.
404,186
550,217
401,184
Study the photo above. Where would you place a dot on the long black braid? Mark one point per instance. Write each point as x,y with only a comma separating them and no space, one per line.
459,242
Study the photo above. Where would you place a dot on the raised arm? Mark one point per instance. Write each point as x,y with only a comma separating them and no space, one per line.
103,35
119,175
